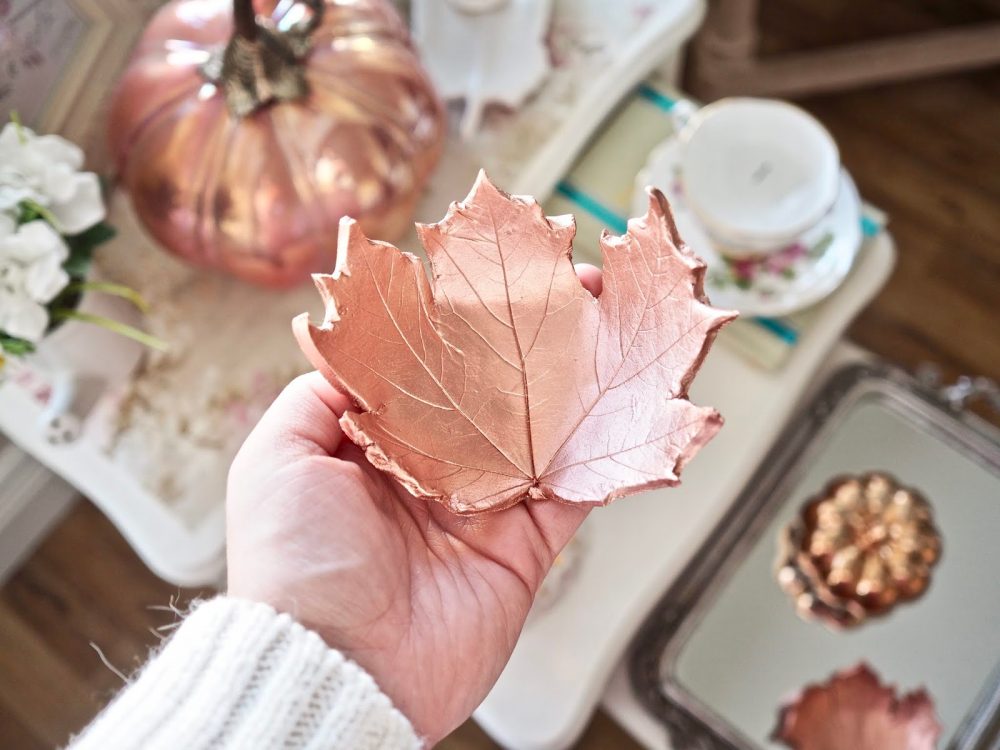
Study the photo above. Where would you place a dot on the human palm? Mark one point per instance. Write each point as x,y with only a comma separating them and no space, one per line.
429,603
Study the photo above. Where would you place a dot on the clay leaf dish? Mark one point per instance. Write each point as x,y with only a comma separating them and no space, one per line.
853,710
503,378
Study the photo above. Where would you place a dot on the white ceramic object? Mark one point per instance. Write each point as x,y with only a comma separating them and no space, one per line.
757,172
57,421
59,369
600,50
797,275
483,51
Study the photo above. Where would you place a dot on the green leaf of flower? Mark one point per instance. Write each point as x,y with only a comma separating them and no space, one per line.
14,346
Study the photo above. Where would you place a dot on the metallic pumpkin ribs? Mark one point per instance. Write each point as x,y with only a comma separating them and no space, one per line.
862,546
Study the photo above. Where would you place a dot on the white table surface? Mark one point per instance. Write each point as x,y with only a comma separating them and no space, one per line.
633,550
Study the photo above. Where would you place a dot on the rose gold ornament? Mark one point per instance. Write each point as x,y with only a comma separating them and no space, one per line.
858,549
243,143
854,711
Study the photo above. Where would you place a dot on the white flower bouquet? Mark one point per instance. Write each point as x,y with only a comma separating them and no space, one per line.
51,221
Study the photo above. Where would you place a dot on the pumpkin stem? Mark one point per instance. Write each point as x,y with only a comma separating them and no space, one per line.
263,61
245,19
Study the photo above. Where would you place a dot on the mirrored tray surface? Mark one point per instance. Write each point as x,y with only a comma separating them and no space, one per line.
725,648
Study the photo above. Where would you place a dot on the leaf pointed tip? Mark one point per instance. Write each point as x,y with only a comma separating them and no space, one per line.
305,334
659,211
346,230
483,185
724,317
345,226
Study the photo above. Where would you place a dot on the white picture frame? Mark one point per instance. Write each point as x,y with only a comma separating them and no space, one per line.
59,60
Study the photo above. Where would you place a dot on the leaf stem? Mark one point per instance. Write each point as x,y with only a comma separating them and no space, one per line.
115,326
15,117
115,290
42,212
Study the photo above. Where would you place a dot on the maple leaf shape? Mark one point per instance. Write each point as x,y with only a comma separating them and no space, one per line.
855,711
505,379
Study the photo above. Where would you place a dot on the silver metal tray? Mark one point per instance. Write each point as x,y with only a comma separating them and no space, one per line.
724,647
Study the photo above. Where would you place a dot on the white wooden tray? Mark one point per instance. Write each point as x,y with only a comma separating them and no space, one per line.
158,439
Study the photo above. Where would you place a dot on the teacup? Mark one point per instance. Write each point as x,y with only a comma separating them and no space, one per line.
757,173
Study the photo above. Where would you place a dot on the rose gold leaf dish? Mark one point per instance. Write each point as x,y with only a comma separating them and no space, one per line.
504,378
854,711
856,550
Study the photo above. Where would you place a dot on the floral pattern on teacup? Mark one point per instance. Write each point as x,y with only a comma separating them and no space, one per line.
766,275
756,273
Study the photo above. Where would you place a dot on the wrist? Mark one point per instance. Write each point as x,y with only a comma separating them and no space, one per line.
242,673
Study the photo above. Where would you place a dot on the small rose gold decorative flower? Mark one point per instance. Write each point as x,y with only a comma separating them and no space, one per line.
854,711
856,550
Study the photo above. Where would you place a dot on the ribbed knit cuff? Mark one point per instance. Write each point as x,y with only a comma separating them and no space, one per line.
237,674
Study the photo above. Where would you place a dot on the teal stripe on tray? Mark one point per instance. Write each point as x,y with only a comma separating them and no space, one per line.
593,206
779,328
655,97
870,227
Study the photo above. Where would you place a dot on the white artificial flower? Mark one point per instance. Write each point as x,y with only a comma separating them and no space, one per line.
83,207
34,241
46,169
14,190
19,179
31,275
44,279
21,317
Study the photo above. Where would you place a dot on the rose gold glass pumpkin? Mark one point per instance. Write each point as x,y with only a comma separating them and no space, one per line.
244,131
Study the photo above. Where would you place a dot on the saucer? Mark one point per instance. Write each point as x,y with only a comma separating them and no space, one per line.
779,283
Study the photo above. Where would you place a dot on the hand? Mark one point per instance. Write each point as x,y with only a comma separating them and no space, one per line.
429,603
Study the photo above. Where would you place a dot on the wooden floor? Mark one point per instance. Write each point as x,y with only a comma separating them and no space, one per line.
928,152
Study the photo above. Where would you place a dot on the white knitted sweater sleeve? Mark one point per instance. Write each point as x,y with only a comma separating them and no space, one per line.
237,674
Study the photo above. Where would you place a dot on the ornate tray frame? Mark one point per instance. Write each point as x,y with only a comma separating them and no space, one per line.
691,724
